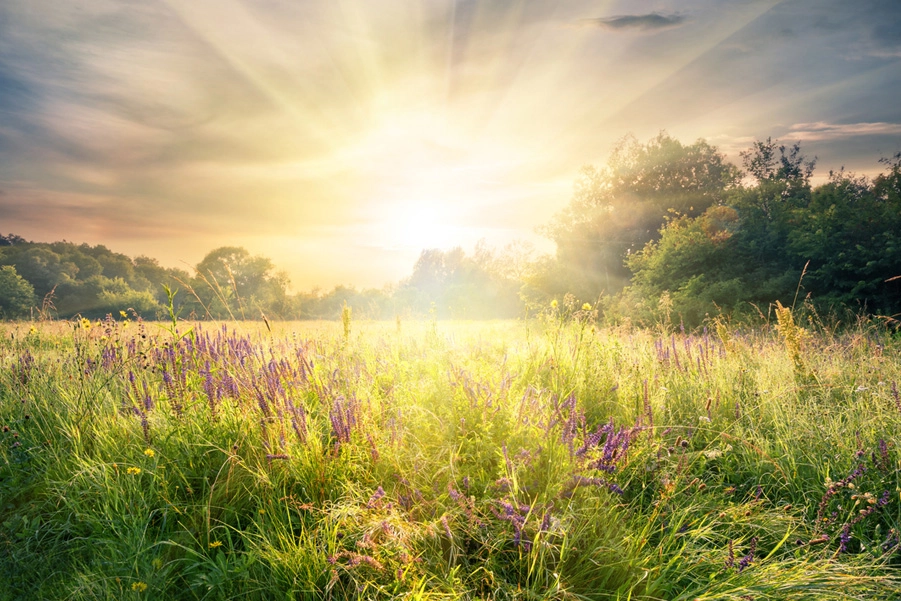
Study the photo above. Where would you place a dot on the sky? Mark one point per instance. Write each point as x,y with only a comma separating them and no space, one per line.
341,137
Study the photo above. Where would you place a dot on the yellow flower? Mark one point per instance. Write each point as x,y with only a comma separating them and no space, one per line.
149,452
139,587
123,313
133,471
215,543
554,304
86,323
586,307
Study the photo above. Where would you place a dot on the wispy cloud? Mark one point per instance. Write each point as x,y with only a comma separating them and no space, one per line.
822,130
646,22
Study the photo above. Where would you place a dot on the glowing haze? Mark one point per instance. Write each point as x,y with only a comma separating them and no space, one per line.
341,137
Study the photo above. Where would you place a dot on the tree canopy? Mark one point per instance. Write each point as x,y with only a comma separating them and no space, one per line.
616,210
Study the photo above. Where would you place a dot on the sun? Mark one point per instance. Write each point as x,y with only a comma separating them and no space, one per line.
424,180
420,226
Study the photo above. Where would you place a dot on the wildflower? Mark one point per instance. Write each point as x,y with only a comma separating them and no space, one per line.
586,307
454,493
215,544
133,471
378,494
447,529
139,587
123,313
546,521
554,304
844,538
149,452
749,558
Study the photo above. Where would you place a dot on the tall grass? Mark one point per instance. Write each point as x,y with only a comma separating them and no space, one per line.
547,459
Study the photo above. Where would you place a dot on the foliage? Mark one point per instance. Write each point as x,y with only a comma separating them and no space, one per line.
615,211
91,281
16,294
461,286
230,284
768,242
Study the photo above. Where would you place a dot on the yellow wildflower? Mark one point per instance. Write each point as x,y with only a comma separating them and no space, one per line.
123,313
215,543
586,307
133,471
554,304
149,452
139,587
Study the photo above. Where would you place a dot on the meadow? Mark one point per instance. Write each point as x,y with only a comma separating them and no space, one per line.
549,458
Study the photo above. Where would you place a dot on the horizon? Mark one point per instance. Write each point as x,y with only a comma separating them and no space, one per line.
341,140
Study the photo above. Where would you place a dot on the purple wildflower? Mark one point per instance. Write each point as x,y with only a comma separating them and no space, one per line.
844,538
546,520
343,418
507,459
745,561
373,500
891,541
454,494
447,530
503,484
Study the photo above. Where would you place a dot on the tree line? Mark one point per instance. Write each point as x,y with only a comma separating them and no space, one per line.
664,229
675,229
62,280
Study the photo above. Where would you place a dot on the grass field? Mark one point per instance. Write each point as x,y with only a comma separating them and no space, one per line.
543,459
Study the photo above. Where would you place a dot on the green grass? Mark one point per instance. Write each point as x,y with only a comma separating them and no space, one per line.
548,459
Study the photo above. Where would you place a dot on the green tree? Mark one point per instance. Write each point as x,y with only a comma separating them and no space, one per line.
846,233
16,294
764,164
851,235
615,211
461,286
99,296
232,283
157,277
42,268
694,263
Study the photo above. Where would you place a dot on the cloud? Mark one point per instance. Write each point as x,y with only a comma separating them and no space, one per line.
647,22
822,130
